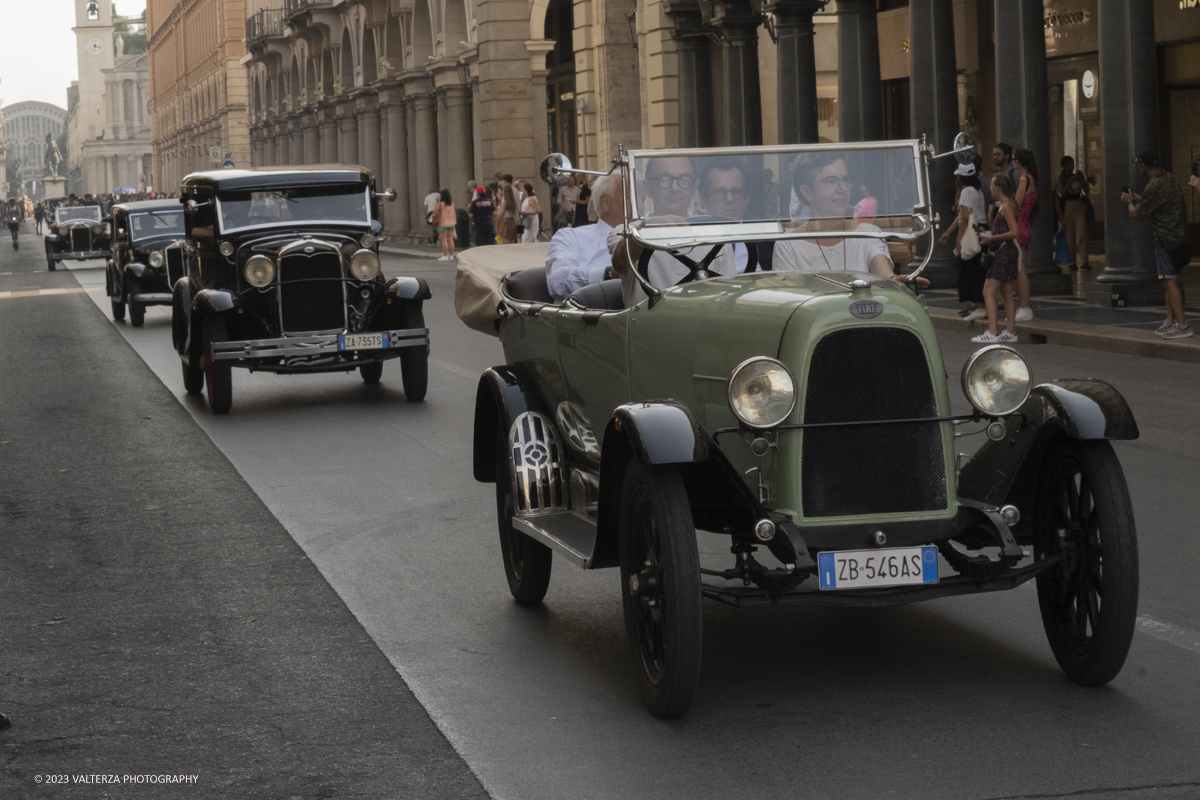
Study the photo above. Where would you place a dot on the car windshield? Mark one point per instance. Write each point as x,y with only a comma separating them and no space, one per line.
68,213
306,205
156,223
798,191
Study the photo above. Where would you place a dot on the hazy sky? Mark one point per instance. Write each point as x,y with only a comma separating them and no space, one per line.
37,55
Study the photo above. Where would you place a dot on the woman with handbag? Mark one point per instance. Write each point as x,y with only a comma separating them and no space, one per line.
1002,275
970,209
508,214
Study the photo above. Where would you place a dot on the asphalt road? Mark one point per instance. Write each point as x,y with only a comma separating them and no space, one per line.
957,698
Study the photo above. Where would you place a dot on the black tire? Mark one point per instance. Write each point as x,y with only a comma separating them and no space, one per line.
53,264
527,562
414,362
372,372
137,314
218,376
663,619
118,309
193,377
1089,604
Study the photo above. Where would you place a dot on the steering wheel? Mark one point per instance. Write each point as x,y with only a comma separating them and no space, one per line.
697,270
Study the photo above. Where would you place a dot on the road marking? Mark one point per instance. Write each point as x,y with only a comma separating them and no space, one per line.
44,292
1180,637
466,373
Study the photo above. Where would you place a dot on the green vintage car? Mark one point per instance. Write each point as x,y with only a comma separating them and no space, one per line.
801,410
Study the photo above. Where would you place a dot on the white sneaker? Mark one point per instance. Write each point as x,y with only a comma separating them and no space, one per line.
987,337
1005,336
979,313
1162,329
1024,314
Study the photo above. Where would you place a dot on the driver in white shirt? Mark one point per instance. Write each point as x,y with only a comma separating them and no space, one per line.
579,256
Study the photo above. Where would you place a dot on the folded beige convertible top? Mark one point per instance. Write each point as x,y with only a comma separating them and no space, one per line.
477,279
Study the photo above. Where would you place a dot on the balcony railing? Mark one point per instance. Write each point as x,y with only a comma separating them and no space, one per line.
291,7
261,24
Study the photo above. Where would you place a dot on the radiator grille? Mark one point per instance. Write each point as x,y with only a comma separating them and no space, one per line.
310,292
81,239
174,257
871,373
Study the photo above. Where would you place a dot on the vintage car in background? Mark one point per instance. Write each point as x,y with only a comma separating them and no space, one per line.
147,256
283,275
76,233
803,412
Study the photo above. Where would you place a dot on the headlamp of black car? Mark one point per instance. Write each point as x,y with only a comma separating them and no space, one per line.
762,392
155,258
260,270
364,265
226,249
996,380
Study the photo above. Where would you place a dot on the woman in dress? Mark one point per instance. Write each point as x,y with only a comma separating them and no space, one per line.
970,210
531,212
507,213
1002,275
1026,196
822,182
445,217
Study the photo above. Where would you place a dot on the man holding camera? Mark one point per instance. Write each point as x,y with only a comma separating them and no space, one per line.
1161,202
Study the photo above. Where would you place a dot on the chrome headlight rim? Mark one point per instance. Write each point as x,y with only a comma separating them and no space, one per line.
226,249
367,241
155,259
256,277
371,261
974,360
730,392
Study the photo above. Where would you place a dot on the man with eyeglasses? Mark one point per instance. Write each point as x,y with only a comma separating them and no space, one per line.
670,186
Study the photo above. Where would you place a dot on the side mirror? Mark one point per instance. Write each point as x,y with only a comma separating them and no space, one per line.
964,148
554,170
388,194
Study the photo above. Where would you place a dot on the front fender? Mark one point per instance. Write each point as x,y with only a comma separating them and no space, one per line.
1006,471
209,301
663,432
135,269
409,288
503,394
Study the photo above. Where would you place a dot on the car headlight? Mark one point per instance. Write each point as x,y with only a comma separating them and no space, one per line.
226,249
364,265
367,241
260,270
156,259
762,392
996,380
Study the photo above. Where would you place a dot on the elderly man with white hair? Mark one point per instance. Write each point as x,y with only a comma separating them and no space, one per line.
579,256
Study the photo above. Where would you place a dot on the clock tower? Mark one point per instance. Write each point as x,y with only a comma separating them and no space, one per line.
94,52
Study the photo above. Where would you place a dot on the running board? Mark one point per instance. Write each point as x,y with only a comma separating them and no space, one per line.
566,534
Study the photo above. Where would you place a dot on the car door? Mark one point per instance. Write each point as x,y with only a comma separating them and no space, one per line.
593,350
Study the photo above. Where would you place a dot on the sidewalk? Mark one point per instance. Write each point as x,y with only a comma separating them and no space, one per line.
1067,320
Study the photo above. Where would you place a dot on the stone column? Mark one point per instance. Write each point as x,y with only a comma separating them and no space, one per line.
385,167
695,76
368,129
738,24
347,134
312,142
455,158
425,147
397,219
414,193
860,109
283,145
296,141
1128,88
797,69
1023,120
934,88
327,134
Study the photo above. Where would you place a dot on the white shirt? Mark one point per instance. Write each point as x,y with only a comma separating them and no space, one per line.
972,198
577,257
665,270
431,201
848,255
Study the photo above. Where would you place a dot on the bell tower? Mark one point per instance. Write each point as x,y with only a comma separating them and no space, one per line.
94,51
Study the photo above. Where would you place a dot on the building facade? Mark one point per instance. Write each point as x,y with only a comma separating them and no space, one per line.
25,127
119,158
198,87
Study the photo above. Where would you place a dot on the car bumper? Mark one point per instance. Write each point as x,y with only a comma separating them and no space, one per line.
318,345
79,256
152,298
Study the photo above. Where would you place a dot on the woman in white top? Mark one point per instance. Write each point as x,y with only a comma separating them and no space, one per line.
969,211
822,182
530,209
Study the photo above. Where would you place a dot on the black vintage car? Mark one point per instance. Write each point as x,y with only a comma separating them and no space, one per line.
147,256
77,233
283,275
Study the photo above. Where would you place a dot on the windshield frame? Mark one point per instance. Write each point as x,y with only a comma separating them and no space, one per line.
95,219
291,223
668,237
180,234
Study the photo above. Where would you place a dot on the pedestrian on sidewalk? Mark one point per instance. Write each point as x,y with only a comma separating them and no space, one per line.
12,217
1002,159
39,213
447,221
1026,199
531,215
1161,202
970,211
1002,274
431,201
582,200
482,210
1071,190
507,214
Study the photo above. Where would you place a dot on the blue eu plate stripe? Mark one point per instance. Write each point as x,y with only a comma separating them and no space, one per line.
341,342
828,570
929,565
